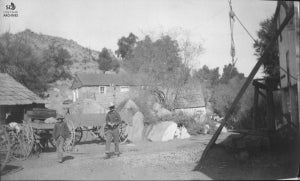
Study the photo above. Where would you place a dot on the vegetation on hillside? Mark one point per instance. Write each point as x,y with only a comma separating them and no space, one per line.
163,64
19,60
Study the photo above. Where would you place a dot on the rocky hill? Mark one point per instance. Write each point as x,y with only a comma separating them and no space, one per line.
83,58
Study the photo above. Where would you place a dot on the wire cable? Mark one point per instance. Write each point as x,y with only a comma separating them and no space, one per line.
245,28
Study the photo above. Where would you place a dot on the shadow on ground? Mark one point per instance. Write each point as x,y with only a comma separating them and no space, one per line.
10,169
276,162
91,142
66,158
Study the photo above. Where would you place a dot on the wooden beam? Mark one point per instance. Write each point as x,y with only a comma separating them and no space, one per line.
255,105
289,15
262,94
259,85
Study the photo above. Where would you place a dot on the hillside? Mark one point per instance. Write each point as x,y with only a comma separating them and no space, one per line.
40,42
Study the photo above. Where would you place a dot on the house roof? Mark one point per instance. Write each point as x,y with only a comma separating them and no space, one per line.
190,100
92,79
14,93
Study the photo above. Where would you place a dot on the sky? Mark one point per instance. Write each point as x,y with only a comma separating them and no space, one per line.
100,23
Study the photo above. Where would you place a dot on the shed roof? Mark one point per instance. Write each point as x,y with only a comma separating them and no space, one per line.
92,79
190,100
14,93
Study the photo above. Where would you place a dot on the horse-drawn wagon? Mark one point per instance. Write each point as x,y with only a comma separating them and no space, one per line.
35,133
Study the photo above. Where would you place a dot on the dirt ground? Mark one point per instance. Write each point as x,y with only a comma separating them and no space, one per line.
176,159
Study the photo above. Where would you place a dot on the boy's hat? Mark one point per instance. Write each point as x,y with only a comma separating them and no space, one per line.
59,116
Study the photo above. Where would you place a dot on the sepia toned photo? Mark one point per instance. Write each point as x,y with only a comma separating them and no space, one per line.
149,89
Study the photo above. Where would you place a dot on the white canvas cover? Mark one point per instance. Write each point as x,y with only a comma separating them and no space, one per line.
163,131
181,133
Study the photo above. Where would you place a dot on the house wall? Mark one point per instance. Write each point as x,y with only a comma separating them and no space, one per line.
288,42
289,56
192,111
113,94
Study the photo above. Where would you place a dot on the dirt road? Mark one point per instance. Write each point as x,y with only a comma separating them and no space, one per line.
170,160
146,160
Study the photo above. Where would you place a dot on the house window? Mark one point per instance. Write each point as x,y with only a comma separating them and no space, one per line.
124,88
102,90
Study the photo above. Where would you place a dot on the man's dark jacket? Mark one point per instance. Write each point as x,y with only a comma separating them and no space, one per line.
61,129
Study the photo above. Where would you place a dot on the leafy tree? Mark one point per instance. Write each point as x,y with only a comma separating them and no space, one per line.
207,76
160,64
266,32
107,61
19,60
230,71
126,46
223,96
159,60
56,63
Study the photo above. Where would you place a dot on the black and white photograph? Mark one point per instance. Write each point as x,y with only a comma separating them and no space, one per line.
149,89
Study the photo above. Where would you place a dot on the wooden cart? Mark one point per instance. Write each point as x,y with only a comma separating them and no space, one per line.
42,131
15,142
94,125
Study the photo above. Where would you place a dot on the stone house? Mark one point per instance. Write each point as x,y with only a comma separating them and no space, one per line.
103,88
16,98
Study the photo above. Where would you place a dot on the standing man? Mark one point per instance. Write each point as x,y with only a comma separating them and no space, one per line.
60,133
111,129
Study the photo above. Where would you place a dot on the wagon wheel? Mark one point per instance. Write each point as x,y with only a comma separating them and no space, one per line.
4,147
70,142
123,132
78,134
100,133
23,143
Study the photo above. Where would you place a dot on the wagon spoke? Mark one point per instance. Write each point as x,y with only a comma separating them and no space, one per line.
5,147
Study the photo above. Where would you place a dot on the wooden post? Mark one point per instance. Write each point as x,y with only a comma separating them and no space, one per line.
289,15
255,105
270,110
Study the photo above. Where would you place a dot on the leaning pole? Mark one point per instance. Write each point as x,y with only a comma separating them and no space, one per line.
261,60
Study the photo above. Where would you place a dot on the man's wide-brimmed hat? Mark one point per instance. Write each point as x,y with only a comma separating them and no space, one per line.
111,105
59,116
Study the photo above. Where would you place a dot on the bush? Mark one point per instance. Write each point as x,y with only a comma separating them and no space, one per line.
223,96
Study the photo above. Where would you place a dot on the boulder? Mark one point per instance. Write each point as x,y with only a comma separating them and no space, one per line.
163,131
135,132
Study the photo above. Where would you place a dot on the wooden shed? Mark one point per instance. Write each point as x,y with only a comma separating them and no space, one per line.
289,57
16,98
191,102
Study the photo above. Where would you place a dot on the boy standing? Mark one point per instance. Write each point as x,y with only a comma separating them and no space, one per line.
60,134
